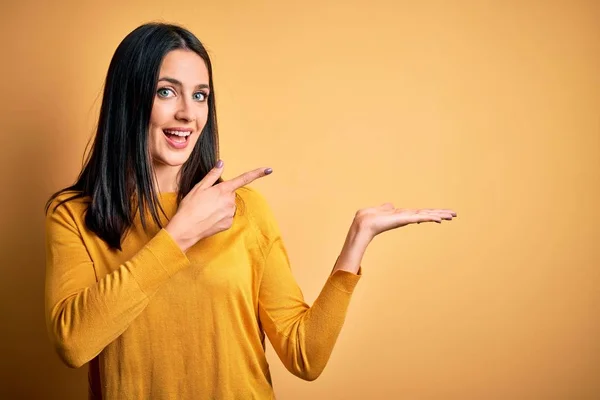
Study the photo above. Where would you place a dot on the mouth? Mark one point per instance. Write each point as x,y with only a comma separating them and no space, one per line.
177,138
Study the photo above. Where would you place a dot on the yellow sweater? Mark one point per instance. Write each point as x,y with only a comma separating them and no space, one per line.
157,323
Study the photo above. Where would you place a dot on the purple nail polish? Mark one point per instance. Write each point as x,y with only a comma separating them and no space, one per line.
268,171
219,163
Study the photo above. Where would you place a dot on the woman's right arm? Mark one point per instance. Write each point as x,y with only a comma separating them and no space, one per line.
84,315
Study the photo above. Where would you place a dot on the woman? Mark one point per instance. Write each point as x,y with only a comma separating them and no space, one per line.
164,277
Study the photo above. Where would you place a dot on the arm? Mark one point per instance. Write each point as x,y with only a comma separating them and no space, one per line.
304,336
353,251
84,315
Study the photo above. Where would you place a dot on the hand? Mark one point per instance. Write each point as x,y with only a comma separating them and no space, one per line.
208,208
370,222
375,220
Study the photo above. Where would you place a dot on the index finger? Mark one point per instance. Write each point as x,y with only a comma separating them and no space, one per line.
245,179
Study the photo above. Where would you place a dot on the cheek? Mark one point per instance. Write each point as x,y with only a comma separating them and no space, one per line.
160,114
154,128
202,117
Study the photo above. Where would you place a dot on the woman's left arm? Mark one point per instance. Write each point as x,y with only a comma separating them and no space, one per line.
303,337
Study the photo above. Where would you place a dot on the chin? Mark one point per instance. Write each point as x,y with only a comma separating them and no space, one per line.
171,161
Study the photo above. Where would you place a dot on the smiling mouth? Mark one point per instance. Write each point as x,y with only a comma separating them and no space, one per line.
177,136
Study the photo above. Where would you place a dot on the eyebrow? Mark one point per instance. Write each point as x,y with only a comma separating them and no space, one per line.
176,82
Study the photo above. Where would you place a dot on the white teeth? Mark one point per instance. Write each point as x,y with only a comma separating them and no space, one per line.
178,133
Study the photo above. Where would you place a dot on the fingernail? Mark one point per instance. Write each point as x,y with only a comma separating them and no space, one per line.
268,171
220,164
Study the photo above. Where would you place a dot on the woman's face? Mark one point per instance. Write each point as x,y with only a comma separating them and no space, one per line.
180,108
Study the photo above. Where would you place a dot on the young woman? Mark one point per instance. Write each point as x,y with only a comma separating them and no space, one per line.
166,278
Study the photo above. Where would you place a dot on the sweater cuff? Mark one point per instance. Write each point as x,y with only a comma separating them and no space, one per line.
344,280
159,260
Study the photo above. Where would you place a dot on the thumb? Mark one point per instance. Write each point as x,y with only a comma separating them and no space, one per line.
210,178
386,207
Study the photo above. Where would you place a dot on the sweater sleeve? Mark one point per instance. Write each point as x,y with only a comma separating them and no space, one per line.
303,337
83,314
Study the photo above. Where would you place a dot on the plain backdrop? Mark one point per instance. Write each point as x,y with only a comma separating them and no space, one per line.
491,108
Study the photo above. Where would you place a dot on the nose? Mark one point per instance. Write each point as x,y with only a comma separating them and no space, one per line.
184,110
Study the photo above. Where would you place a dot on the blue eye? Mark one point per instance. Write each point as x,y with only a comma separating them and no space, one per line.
164,92
200,96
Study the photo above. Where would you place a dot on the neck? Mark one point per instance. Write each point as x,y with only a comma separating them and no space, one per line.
166,178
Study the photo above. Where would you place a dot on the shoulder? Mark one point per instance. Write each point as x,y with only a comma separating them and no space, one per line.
67,205
253,205
252,200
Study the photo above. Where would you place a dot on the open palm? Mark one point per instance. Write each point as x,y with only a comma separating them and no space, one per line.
386,217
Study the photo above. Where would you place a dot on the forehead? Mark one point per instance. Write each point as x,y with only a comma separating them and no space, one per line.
185,66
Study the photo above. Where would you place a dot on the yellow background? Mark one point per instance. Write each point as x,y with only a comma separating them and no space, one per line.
491,108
